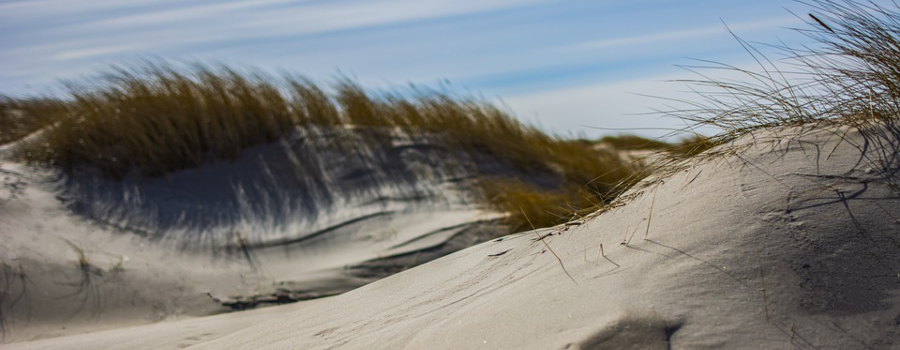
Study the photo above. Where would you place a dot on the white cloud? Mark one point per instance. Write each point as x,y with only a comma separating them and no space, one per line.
230,21
94,51
607,105
688,33
193,13
631,105
49,42
69,7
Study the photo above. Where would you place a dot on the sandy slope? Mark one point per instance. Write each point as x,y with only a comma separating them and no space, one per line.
793,242
82,253
164,335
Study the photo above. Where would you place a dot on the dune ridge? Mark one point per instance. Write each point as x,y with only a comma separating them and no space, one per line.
790,241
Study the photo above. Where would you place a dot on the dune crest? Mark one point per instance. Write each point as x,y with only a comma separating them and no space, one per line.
790,241
783,238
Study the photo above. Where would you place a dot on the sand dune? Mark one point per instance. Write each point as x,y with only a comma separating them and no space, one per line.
789,240
82,253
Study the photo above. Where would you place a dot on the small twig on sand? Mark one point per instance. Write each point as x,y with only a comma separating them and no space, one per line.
548,247
607,258
793,333
652,203
245,249
627,239
762,278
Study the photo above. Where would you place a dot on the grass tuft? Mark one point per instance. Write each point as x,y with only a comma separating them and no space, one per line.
693,145
635,143
153,119
850,76
20,117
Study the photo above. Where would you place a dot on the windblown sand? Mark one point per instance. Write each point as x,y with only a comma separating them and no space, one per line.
790,241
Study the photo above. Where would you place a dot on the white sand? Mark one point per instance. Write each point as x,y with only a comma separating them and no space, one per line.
163,335
792,243
168,249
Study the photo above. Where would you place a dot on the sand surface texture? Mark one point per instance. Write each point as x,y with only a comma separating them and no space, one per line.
790,241
82,253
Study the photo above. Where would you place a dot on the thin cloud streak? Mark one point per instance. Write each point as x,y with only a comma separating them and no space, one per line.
607,104
687,34
489,47
95,51
232,22
70,7
193,13
636,103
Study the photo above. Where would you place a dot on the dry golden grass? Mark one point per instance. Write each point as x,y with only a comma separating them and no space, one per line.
686,147
693,145
157,120
531,205
154,119
527,204
633,142
850,75
20,117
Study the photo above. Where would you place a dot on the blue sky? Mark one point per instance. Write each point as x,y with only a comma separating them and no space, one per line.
567,65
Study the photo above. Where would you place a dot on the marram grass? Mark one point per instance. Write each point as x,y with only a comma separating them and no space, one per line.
849,75
20,117
153,119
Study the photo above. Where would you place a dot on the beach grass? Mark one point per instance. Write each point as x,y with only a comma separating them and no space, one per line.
635,143
686,146
23,116
154,118
849,75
